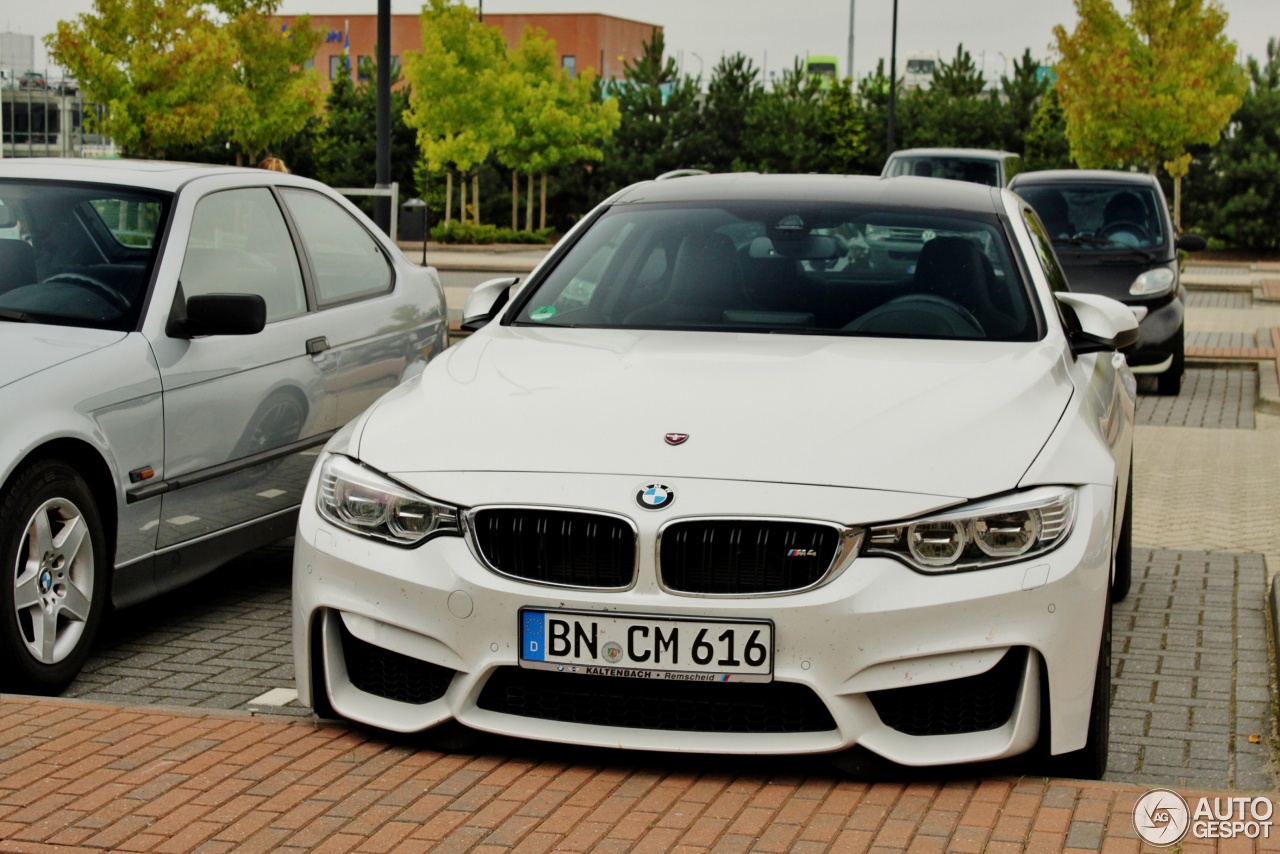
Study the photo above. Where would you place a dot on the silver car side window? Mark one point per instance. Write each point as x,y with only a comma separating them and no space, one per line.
239,243
346,259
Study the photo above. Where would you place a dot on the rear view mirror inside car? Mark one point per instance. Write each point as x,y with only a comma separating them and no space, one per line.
812,247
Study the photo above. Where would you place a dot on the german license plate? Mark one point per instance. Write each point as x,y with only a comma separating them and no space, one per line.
646,647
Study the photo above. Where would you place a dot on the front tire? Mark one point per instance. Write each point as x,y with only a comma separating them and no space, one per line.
53,588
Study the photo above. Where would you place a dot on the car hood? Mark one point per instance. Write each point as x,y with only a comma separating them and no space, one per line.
956,418
27,349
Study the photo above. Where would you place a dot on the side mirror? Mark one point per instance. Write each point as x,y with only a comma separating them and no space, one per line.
1105,324
222,314
485,301
1191,242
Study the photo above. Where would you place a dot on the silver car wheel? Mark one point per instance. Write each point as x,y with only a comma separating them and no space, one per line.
53,580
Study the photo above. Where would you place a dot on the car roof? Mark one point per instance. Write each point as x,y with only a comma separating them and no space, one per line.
853,189
1084,176
164,175
974,153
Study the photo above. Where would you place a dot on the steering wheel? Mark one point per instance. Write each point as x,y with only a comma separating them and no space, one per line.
99,287
917,312
1125,227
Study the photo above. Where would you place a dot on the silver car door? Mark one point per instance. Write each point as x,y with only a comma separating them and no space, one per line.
383,330
240,411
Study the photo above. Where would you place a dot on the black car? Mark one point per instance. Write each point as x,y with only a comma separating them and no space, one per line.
1113,235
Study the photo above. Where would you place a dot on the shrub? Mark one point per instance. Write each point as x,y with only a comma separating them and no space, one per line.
458,232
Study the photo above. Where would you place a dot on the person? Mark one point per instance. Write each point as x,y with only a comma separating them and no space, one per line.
275,164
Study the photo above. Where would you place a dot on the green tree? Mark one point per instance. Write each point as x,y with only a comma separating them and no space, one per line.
873,100
558,120
161,69
953,111
276,93
1236,185
346,146
1023,94
843,135
461,93
659,119
731,94
1045,146
784,125
1143,89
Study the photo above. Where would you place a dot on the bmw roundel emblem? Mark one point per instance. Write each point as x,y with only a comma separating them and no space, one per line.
656,496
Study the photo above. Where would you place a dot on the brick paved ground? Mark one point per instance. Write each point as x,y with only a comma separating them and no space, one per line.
1192,677
1217,397
219,643
1219,299
89,777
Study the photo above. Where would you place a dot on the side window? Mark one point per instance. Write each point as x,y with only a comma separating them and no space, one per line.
239,243
1044,248
346,259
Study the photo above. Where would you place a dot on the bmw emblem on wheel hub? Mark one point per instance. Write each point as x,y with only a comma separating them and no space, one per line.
655,496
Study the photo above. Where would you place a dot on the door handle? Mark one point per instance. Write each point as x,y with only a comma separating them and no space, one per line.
316,346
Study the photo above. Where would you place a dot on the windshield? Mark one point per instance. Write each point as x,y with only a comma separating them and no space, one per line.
76,254
787,267
1098,217
953,168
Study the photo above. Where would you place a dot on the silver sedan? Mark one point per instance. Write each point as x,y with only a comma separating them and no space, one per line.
176,343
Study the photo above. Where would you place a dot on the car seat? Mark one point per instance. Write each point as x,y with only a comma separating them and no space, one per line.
17,264
1125,207
706,280
1053,211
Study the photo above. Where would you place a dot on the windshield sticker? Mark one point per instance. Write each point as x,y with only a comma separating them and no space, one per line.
545,312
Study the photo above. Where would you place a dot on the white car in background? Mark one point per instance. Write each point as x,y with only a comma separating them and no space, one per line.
176,343
717,484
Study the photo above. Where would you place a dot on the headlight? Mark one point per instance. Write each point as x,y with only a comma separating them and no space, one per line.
360,500
990,533
1152,283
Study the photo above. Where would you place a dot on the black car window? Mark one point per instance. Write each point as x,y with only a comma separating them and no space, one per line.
774,267
239,243
973,170
78,254
1097,217
346,259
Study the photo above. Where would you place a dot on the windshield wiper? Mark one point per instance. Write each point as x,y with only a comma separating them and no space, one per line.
1083,240
16,316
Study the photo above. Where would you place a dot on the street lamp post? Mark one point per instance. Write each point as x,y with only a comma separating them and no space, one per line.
382,165
852,76
893,75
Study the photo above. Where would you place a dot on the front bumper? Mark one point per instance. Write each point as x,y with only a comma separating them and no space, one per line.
878,626
1160,338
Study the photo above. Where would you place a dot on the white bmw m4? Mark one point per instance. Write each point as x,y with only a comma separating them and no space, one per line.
749,464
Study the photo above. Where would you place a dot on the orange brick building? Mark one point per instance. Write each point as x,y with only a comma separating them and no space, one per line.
600,42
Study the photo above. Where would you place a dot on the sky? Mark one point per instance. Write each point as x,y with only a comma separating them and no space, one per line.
774,32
